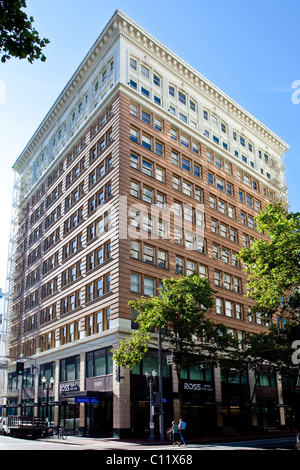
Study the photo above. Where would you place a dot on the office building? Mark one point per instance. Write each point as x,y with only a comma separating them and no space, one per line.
142,169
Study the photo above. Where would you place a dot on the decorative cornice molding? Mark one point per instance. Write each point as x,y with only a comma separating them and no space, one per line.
99,47
152,47
120,24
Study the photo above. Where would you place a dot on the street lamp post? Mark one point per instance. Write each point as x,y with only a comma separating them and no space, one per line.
47,388
151,382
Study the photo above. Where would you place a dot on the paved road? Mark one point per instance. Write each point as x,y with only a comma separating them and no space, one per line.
116,445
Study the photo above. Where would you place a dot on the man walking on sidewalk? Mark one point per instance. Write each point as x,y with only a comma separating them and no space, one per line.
182,428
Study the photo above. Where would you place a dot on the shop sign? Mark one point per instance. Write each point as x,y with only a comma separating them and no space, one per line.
197,386
68,387
87,400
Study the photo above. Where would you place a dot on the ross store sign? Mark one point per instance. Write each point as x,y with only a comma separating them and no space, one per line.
198,387
68,387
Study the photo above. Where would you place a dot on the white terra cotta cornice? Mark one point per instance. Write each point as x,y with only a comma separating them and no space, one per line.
120,24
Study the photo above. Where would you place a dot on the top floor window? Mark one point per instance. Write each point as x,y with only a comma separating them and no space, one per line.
145,71
182,97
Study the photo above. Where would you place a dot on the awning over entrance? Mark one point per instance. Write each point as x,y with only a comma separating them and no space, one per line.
86,396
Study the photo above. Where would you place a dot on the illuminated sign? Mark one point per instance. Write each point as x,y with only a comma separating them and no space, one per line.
87,400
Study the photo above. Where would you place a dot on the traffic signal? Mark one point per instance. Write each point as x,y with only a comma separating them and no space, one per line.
177,357
20,368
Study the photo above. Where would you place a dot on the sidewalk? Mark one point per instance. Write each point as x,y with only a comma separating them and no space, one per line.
123,444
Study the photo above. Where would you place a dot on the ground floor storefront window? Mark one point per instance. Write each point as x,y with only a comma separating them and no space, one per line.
99,418
69,417
267,413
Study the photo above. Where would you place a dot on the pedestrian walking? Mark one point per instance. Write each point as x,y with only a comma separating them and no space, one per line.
175,433
182,429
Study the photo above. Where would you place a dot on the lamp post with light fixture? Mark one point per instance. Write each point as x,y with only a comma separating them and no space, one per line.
151,382
47,388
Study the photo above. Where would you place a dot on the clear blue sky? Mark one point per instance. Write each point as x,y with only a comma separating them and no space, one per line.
250,50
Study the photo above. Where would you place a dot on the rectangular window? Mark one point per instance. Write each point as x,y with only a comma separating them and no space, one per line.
135,249
134,135
145,92
134,189
227,281
202,271
186,164
147,168
149,286
182,97
220,183
190,268
174,134
146,117
133,63
228,309
133,84
217,278
184,140
148,254
183,117
219,306
162,259
135,282
144,71
190,241
187,188
179,265
134,161
198,194
225,255
176,183
146,142
192,105
156,80
175,158
160,174
178,235
238,311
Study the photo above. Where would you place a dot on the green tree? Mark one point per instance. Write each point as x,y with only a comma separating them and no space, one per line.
180,311
273,263
18,38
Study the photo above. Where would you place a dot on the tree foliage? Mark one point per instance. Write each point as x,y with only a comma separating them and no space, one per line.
18,38
273,264
180,312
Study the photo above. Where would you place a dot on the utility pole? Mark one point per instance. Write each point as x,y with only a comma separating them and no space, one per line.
160,384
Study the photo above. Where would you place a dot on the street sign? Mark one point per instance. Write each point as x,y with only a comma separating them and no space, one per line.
3,365
169,359
35,369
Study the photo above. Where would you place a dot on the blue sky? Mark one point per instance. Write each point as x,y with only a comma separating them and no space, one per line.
250,50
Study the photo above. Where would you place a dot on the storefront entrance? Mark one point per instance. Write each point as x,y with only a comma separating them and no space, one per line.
87,413
99,418
69,417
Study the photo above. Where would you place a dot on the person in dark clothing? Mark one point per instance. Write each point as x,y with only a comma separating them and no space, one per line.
182,428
